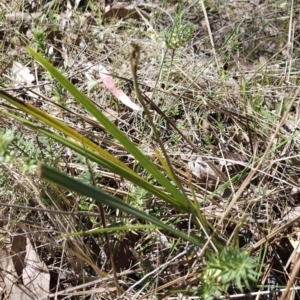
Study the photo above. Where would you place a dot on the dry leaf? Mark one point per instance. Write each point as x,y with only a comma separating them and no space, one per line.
18,251
36,276
262,60
22,73
291,213
165,244
66,16
22,16
202,170
11,253
119,94
120,10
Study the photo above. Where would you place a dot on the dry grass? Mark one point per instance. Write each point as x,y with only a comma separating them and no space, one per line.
232,91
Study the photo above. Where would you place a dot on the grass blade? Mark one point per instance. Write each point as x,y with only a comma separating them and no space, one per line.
57,177
179,198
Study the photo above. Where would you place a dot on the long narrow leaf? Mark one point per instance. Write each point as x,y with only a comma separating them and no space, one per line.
60,126
93,156
114,131
55,176
112,229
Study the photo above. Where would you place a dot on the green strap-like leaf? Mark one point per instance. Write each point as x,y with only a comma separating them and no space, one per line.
114,131
101,160
60,126
55,176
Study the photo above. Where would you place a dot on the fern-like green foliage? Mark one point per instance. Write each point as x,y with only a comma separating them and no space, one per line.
231,266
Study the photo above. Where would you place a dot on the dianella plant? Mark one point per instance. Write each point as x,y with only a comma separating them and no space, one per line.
224,266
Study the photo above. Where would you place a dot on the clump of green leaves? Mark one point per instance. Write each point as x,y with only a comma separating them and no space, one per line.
10,142
231,266
179,33
6,140
40,37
